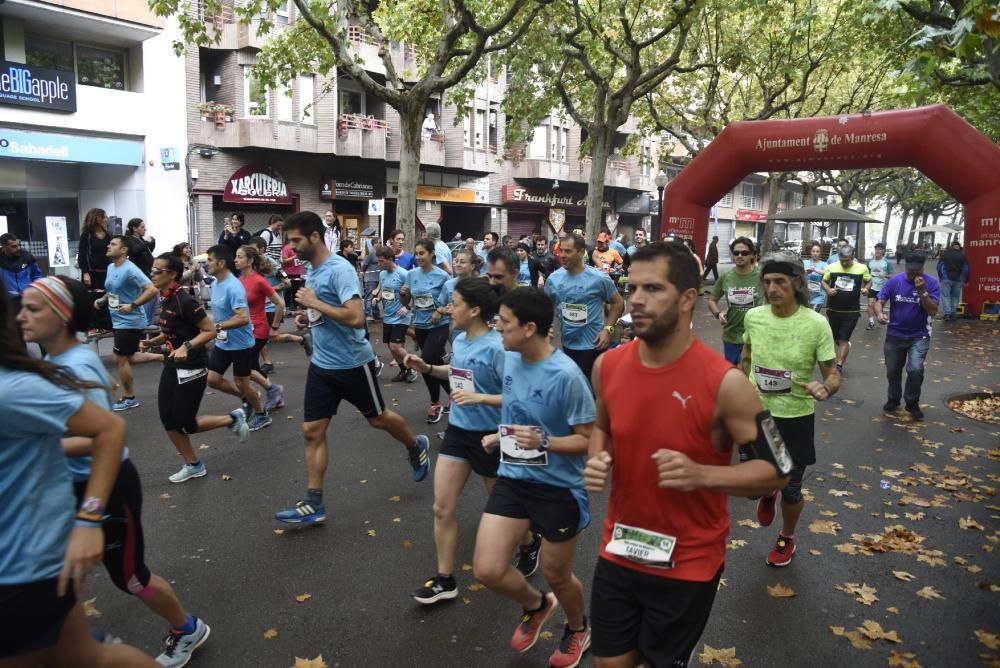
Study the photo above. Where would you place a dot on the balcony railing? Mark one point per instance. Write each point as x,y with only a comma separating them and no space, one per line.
439,137
359,122
224,16
359,35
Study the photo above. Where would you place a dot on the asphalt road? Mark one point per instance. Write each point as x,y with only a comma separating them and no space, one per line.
215,537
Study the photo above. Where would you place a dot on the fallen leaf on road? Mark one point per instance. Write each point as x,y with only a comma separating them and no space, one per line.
279,531
203,446
903,575
930,560
780,591
827,513
894,610
394,499
466,600
407,543
270,633
302,598
852,505
840,492
988,639
914,516
874,631
363,482
862,593
824,526
930,593
969,523
318,662
988,586
748,523
724,657
545,635
474,587
847,548
903,659
371,532
990,660
736,544
166,495
89,609
466,567
226,476
857,640
815,553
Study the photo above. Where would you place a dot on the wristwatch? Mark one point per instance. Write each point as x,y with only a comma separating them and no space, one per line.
92,506
187,345
218,328
544,445
610,329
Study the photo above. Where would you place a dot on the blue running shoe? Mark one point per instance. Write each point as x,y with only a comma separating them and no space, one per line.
239,426
259,421
178,648
125,404
303,513
420,458
275,397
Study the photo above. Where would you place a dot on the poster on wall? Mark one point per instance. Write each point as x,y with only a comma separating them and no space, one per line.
58,241
557,219
168,158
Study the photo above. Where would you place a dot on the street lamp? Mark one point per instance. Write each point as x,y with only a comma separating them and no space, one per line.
661,183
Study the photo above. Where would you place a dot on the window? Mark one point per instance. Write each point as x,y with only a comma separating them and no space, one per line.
797,200
467,128
727,201
281,12
351,102
285,112
307,98
564,148
753,195
94,66
254,95
480,128
538,145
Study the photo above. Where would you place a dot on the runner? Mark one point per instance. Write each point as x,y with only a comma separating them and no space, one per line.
56,309
546,418
814,268
475,373
186,330
664,541
881,270
741,288
502,267
281,283
784,341
252,267
342,365
527,272
404,259
581,293
915,297
127,289
608,260
464,264
395,316
425,289
844,282
46,553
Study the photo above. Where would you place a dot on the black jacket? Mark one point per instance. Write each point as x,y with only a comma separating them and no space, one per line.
234,241
93,254
142,256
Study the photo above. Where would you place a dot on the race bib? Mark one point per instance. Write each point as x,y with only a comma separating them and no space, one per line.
461,379
844,283
388,295
113,302
511,453
315,317
187,375
424,301
222,336
641,546
740,296
773,381
574,314
814,286
523,283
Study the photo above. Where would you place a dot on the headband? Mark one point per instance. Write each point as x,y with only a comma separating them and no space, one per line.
56,295
786,268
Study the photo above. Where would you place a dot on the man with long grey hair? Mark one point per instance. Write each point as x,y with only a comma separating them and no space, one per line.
783,341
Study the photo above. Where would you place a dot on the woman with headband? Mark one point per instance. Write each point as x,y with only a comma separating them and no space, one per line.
54,309
47,553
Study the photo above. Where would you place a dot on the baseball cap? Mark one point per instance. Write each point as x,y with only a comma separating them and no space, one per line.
603,236
915,260
846,251
880,245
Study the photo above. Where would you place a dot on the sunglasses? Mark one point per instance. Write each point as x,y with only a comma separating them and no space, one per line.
742,253
156,271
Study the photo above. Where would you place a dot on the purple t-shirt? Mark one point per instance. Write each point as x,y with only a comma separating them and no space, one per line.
907,318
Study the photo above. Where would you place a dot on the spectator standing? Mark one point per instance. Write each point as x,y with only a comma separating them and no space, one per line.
272,237
18,268
953,271
233,234
712,260
332,232
93,254
141,249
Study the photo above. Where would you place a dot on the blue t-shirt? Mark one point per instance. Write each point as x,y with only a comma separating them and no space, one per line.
274,281
86,365
336,346
391,282
814,281
483,357
406,260
552,394
880,270
442,253
617,245
36,493
227,296
524,275
907,318
483,253
124,285
580,301
426,295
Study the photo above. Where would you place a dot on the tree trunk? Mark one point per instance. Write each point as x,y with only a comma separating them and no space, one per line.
862,239
775,180
600,149
902,227
409,171
889,206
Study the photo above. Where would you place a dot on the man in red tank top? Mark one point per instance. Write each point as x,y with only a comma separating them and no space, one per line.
663,546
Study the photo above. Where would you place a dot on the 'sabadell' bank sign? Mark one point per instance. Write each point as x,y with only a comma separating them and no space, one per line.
37,87
256,184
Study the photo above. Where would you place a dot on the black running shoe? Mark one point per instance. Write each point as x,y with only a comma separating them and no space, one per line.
527,556
438,588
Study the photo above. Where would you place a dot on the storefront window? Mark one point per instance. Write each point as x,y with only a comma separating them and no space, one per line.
100,67
50,53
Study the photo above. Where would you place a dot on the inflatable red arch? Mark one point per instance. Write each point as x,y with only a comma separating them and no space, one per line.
933,139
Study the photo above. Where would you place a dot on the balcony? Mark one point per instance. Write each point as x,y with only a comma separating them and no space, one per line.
258,133
432,150
232,33
362,136
122,22
366,49
539,168
617,174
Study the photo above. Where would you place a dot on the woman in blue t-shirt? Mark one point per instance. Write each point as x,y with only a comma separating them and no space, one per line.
476,377
53,310
815,267
47,553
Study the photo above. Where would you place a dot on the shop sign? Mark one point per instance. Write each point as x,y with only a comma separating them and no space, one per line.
69,148
515,194
333,189
256,184
445,194
37,87
637,203
752,216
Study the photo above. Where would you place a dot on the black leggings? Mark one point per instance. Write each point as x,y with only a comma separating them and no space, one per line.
179,402
258,345
124,546
432,343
